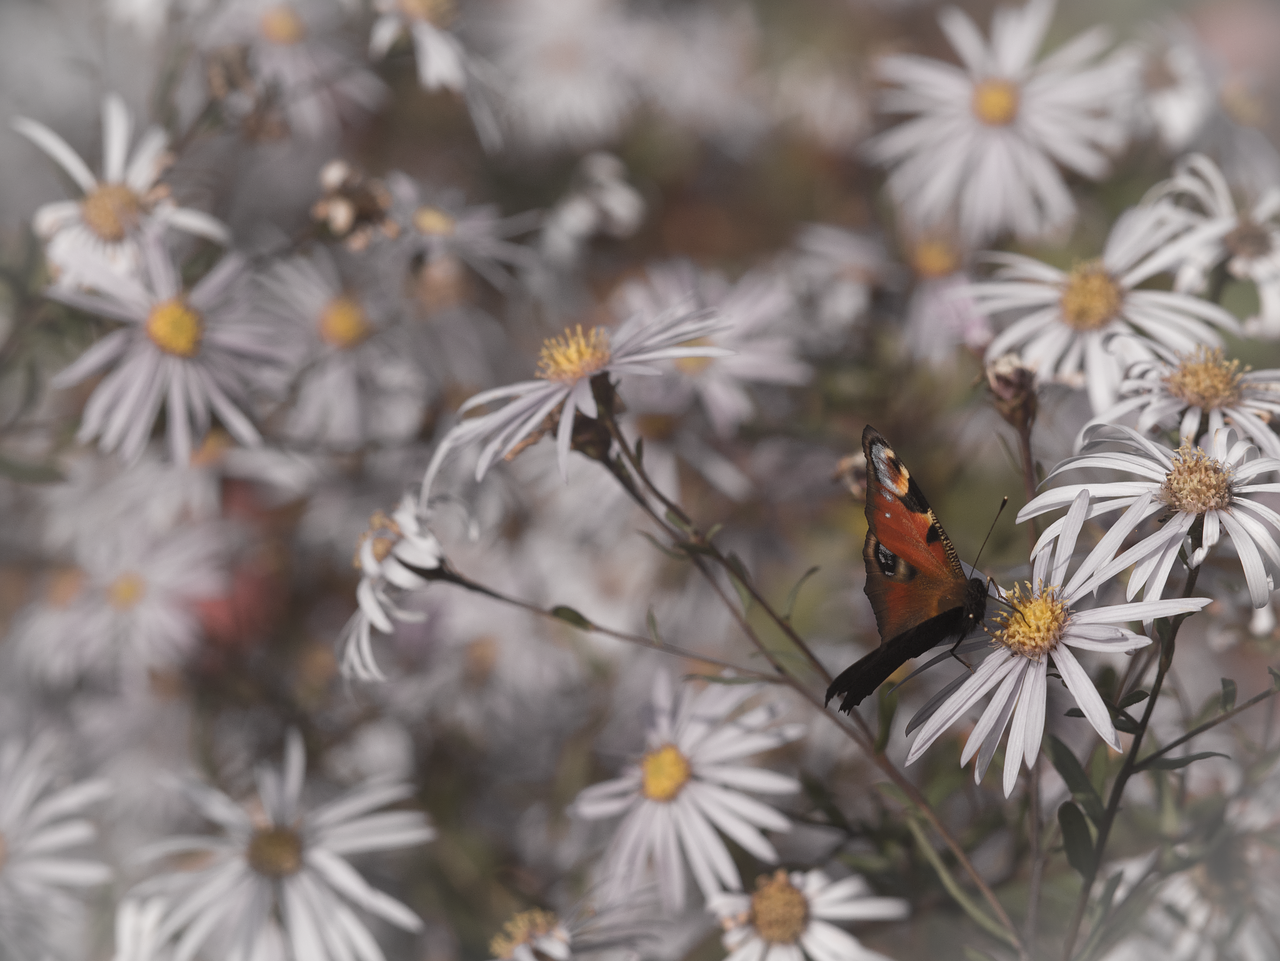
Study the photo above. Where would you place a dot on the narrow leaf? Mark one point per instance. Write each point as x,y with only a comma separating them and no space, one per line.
886,708
1074,712
1125,724
1076,838
1174,763
1133,697
652,623
1228,694
1078,782
570,616
676,521
1275,677
795,592
958,894
673,554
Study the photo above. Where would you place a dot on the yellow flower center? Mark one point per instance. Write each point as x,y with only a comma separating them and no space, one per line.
436,12
574,355
693,366
343,323
111,211
1197,482
211,450
664,772
126,590
779,910
384,533
935,258
175,328
282,25
995,101
64,586
1035,624
1090,298
433,222
1205,379
524,928
275,852
1248,240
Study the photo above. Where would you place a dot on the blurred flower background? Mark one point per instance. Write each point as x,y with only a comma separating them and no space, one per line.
429,524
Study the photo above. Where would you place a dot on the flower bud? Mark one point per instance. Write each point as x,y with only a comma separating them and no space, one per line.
1013,390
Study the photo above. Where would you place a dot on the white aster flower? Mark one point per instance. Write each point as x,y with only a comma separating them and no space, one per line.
539,935
941,313
686,786
601,202
1184,391
353,383
823,102
1044,621
1085,326
138,930
279,870
838,269
788,918
1179,87
195,353
568,365
1246,240
1218,488
985,140
392,556
39,823
440,56
753,336
129,608
300,69
115,211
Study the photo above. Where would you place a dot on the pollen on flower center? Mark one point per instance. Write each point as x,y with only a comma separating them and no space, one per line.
126,590
175,328
779,911
1248,240
282,25
1090,298
574,355
995,101
934,258
1205,379
437,12
1197,482
433,222
664,773
1035,624
693,366
343,323
111,211
384,532
275,852
522,929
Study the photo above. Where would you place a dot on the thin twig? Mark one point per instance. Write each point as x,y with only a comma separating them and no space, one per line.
1221,718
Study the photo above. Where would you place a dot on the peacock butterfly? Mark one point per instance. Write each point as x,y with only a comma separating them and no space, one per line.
917,588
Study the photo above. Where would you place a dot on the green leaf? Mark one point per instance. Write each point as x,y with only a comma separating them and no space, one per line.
1074,712
1228,694
1174,763
640,450
29,473
789,607
973,954
886,708
1275,677
1108,896
676,521
740,579
958,894
673,554
1126,724
1076,839
652,623
1077,781
1133,697
570,616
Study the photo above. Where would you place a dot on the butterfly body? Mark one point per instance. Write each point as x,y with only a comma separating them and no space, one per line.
918,589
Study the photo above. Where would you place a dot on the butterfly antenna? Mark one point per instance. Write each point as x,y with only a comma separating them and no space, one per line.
1003,504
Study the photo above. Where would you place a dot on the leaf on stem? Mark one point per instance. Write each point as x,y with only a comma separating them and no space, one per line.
886,708
570,616
795,592
1132,698
1228,694
1174,763
1077,781
1076,839
652,623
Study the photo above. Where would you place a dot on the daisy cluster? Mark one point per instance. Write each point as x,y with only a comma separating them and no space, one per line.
425,450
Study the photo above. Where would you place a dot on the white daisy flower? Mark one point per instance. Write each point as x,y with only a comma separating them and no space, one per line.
353,383
686,786
40,822
824,102
279,870
301,71
753,336
600,203
1218,488
1246,240
115,211
568,366
127,609
539,935
788,918
437,225
193,352
838,269
1044,622
391,556
441,58
1186,391
138,930
941,313
1179,89
985,140
1085,326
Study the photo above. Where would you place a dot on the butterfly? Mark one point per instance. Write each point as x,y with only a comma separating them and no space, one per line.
917,588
